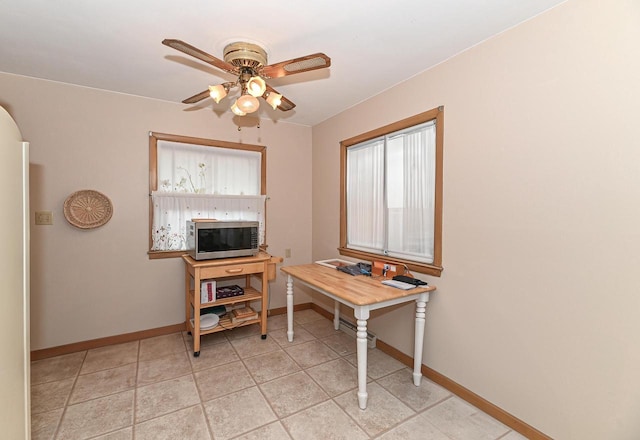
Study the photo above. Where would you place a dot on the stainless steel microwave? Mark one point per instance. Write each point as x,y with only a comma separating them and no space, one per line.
207,240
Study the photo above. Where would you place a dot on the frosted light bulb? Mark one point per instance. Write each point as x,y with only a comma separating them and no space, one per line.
248,103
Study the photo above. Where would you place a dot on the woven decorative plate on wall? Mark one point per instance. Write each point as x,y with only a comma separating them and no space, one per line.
87,209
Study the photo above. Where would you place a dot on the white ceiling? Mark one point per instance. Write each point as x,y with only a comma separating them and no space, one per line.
116,45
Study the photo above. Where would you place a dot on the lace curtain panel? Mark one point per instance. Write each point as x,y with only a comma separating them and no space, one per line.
203,182
172,211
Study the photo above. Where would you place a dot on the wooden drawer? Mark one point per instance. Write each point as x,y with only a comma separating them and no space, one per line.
230,270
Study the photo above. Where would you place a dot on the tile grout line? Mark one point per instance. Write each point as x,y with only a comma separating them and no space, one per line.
301,370
118,392
332,398
200,397
279,420
190,373
257,385
304,370
135,393
66,403
349,391
416,412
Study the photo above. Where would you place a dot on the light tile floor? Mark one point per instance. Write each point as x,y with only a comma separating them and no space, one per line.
243,387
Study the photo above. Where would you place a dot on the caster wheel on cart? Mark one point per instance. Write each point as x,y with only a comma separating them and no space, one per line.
196,354
264,336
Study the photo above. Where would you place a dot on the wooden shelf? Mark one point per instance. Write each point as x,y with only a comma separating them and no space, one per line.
226,324
250,294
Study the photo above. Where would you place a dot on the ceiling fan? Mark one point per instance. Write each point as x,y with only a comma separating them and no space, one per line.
248,62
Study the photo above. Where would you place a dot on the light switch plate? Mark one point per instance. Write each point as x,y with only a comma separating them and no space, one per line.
44,218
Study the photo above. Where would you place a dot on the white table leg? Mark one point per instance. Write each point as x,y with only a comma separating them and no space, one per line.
336,315
289,308
362,314
421,305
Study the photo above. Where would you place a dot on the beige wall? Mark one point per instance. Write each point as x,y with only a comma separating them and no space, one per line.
538,307
98,283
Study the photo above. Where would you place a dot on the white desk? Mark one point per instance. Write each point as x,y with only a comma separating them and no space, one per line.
363,294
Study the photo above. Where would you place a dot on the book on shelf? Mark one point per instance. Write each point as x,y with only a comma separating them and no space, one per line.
229,291
235,320
211,292
207,291
243,314
239,305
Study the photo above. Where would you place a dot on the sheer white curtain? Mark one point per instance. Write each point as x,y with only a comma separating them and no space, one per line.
418,194
203,182
171,211
207,170
365,196
391,193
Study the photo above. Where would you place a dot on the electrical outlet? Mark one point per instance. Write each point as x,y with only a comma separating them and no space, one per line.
287,253
44,218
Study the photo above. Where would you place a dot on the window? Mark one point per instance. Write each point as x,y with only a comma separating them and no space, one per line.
201,178
391,193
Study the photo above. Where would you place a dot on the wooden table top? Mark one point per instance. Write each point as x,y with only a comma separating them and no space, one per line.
359,290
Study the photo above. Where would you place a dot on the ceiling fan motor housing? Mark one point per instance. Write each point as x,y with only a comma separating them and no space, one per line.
242,54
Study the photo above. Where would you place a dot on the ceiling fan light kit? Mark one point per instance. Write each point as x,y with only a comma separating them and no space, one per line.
218,92
248,62
236,110
247,103
256,86
274,99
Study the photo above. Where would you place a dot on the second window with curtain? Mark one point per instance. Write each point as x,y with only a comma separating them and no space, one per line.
390,202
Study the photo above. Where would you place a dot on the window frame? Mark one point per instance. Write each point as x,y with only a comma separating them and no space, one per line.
434,268
153,176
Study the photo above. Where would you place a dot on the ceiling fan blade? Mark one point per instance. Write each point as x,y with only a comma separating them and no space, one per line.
285,104
202,56
296,65
196,98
